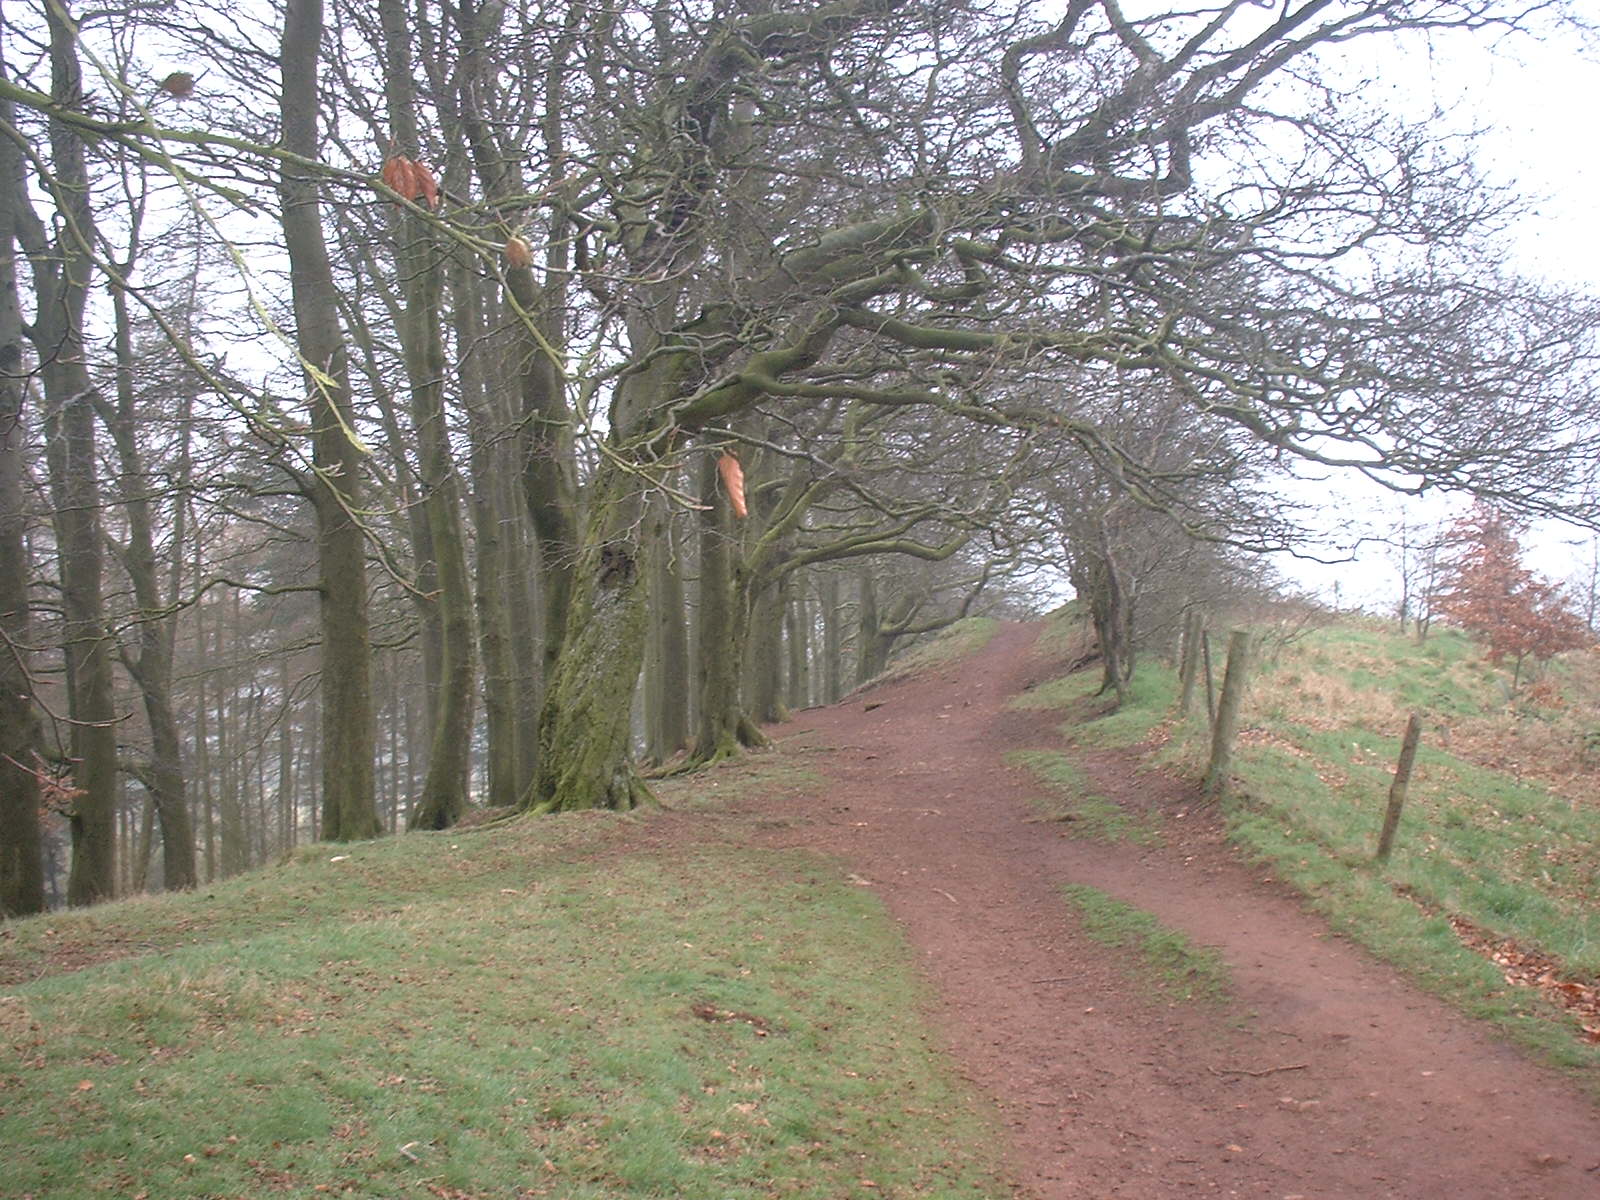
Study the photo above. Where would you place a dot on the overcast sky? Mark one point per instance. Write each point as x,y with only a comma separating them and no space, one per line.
1539,103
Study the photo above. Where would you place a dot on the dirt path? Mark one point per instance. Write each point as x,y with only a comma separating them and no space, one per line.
1329,1077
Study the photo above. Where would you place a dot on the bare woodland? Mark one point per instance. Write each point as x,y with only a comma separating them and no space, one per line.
377,381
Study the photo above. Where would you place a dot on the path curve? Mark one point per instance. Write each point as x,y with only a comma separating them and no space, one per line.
1333,1077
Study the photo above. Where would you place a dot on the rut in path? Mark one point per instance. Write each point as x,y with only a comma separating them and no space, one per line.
1327,1076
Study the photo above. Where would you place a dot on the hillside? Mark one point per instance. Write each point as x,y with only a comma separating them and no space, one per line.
951,938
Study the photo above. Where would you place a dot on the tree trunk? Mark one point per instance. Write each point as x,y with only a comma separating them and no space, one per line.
62,273
724,621
798,641
421,274
152,669
494,539
873,642
524,598
667,696
832,640
348,807
21,846
287,817
234,856
585,727
764,653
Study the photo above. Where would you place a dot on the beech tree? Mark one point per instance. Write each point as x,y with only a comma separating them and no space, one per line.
891,255
21,861
1487,590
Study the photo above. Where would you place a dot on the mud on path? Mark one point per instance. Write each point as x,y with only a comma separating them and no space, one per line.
1327,1076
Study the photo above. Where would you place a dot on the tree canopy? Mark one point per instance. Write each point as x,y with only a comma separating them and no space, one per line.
461,303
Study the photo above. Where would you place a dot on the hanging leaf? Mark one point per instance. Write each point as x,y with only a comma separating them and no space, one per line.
412,179
733,479
397,175
518,253
179,84
427,187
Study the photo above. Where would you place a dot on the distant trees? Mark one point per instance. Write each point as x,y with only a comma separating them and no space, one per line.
1486,589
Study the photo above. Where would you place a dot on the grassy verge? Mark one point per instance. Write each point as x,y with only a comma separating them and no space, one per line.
1095,720
1166,961
486,1015
1071,799
1313,769
961,640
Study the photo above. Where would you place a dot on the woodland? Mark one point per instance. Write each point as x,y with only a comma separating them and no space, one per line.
414,408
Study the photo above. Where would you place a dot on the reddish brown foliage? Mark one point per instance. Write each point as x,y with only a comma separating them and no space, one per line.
1488,591
412,179
733,479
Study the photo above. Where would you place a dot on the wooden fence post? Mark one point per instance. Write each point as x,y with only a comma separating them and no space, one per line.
1227,718
1189,668
1397,789
1211,686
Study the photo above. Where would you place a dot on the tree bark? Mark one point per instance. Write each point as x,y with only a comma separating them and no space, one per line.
668,699
348,807
832,640
21,846
585,727
1234,678
420,263
765,654
494,541
797,617
723,619
873,643
62,284
152,669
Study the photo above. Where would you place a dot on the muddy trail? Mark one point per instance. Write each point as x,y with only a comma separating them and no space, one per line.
1325,1075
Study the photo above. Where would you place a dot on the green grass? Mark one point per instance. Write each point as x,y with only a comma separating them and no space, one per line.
1505,853
1071,799
1166,961
1094,719
489,1015
951,644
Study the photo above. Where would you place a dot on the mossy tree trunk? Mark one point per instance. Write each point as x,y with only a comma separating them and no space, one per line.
765,654
585,726
668,694
722,729
586,722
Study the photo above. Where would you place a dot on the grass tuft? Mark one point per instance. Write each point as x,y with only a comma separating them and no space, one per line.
1072,800
1170,964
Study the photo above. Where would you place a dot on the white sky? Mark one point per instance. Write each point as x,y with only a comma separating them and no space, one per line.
1539,104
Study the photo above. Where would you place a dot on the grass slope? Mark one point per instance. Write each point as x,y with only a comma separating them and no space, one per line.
527,1011
1320,736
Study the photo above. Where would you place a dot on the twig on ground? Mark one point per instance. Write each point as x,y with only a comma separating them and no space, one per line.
1257,1074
